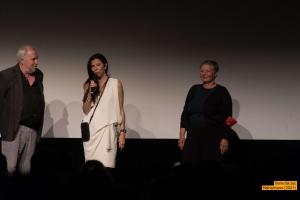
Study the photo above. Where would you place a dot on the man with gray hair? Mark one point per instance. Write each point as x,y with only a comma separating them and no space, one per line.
22,106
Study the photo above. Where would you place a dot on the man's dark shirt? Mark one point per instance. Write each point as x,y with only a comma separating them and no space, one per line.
32,103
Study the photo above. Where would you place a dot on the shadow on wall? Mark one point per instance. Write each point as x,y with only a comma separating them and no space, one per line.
61,119
242,132
134,121
75,117
56,120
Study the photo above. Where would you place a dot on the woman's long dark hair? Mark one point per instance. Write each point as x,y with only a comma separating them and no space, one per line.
93,76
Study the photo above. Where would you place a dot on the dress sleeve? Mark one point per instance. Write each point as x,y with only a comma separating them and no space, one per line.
184,122
226,111
226,106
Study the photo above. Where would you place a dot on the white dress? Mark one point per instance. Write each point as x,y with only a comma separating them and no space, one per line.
102,145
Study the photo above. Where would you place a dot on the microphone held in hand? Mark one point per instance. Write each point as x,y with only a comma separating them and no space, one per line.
93,89
95,79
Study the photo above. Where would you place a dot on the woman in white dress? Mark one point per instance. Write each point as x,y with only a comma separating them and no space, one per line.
103,103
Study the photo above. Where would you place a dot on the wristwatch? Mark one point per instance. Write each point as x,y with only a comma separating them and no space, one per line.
123,130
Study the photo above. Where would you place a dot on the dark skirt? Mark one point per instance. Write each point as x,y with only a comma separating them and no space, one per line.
203,144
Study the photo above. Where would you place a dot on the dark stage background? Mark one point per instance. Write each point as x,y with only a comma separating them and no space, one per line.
155,48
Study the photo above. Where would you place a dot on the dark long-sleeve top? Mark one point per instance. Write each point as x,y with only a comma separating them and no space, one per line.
206,107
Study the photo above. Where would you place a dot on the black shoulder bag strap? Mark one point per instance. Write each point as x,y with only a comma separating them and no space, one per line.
98,100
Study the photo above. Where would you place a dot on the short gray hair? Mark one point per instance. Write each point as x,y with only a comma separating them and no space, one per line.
212,63
23,50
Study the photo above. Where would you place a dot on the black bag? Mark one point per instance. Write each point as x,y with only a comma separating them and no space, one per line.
85,131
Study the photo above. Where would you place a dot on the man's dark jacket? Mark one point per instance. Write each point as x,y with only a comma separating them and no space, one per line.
11,102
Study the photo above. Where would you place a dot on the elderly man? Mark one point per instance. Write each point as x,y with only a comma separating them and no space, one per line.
22,107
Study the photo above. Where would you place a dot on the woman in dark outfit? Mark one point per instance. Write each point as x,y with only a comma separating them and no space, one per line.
206,118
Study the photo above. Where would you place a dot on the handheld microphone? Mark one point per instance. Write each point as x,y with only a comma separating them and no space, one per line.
93,89
95,79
